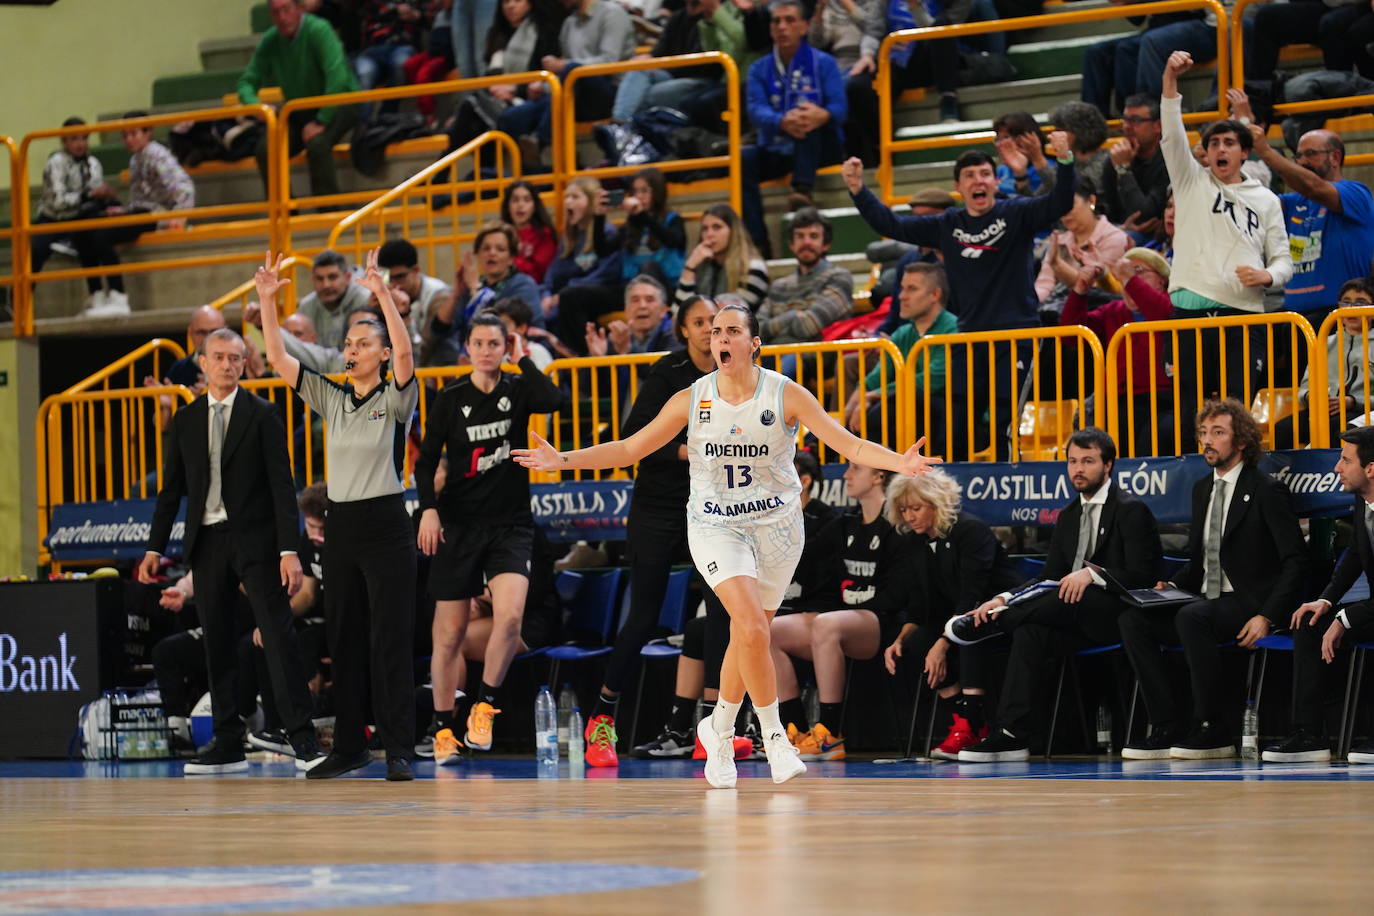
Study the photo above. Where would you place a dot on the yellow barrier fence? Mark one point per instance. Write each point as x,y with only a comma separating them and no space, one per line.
13,279
1345,336
1163,416
1060,368
248,223
150,360
888,145
670,164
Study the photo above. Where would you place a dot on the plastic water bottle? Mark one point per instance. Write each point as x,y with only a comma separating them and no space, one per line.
567,701
576,747
1249,732
545,728
1104,729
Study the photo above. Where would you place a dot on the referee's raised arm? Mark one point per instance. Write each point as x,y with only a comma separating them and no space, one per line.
269,281
402,355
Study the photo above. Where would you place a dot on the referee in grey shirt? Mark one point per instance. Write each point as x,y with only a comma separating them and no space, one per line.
370,564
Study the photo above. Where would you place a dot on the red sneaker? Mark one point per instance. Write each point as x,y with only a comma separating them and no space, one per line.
744,749
960,737
600,735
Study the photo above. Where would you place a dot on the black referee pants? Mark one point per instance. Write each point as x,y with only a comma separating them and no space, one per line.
370,613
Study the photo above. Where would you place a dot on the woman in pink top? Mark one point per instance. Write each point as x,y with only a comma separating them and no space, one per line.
1088,240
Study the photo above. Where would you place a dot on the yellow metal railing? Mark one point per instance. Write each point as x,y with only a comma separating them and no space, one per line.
261,231
16,277
600,391
147,358
1318,375
1206,347
969,383
888,145
670,164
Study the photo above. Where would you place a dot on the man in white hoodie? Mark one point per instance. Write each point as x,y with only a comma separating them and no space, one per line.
1230,245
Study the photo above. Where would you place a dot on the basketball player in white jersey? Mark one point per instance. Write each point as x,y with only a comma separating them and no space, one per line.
744,516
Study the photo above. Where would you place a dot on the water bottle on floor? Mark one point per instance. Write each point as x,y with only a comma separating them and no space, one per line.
1104,729
1249,732
566,701
576,744
545,728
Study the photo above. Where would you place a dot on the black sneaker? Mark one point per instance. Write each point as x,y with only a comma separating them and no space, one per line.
182,746
217,757
668,744
337,765
963,630
398,770
999,747
1205,742
1157,744
425,746
1364,753
308,754
1302,746
949,108
271,739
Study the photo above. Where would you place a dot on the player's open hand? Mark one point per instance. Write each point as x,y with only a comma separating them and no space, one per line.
914,463
543,457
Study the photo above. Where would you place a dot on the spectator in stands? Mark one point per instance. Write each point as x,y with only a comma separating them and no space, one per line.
1143,276
300,327
701,25
921,300
433,64
1087,240
73,188
925,202
837,28
469,21
302,55
1317,22
1247,562
1023,171
723,261
653,237
1136,185
426,294
1087,131
987,250
523,208
1163,242
318,357
586,280
486,273
647,327
856,620
1329,218
518,317
1317,636
1231,244
913,64
1348,360
952,563
594,32
1103,525
1132,65
205,319
1258,111
796,100
334,296
392,33
799,306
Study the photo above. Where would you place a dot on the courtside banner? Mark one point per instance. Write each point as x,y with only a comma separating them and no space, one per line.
1024,493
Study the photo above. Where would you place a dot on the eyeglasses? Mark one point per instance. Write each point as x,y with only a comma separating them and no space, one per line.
1137,119
1313,153
1353,303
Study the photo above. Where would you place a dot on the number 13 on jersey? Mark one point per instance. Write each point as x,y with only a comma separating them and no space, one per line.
738,475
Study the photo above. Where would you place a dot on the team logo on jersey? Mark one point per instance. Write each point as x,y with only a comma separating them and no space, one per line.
735,430
712,567
873,544
767,418
377,413
849,541
503,405
466,410
704,411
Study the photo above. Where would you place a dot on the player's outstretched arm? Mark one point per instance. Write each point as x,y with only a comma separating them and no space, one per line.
802,406
657,433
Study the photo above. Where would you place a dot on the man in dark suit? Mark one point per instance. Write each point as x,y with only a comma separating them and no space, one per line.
1112,529
1246,558
1320,635
227,455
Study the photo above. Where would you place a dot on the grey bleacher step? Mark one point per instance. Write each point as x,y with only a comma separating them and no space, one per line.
227,53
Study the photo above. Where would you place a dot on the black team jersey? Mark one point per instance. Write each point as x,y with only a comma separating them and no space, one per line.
478,430
862,562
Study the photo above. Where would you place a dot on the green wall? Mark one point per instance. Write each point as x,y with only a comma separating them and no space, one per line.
18,486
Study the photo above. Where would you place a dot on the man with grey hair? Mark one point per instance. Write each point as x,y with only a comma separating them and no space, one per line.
646,328
333,297
226,455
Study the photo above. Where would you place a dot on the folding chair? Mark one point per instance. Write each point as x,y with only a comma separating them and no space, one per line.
589,597
671,617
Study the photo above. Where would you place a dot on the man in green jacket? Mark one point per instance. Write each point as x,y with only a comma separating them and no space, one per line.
302,55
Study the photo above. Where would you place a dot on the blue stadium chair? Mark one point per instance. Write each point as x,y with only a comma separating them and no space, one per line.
1066,666
1354,680
671,617
590,602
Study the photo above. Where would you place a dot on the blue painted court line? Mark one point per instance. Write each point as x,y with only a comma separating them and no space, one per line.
528,768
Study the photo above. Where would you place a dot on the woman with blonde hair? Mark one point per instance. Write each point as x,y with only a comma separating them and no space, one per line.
724,261
584,281
954,564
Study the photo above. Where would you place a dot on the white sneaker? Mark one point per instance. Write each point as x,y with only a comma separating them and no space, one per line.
64,247
783,758
720,755
116,303
94,302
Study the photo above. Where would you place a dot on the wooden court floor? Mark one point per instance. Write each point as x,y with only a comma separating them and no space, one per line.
847,845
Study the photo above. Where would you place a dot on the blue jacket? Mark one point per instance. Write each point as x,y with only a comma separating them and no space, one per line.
766,117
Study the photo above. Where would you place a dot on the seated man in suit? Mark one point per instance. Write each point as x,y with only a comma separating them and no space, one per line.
1112,529
1246,557
1318,633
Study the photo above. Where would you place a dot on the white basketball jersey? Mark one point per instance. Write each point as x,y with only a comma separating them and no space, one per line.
740,455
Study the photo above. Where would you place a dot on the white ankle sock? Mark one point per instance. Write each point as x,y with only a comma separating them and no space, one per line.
724,715
769,723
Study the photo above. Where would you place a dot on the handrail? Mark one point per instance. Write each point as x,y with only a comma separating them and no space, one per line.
102,377
281,154
585,397
887,145
1172,327
1318,368
24,225
732,116
504,149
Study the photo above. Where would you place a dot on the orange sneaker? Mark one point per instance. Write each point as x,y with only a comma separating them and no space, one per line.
823,745
961,737
479,726
804,742
446,748
600,735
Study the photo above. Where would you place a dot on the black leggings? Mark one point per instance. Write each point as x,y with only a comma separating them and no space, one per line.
370,612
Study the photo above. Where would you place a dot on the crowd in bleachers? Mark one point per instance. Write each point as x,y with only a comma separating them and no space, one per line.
1057,226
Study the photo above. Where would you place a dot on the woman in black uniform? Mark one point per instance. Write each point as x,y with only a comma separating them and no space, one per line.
370,564
479,528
